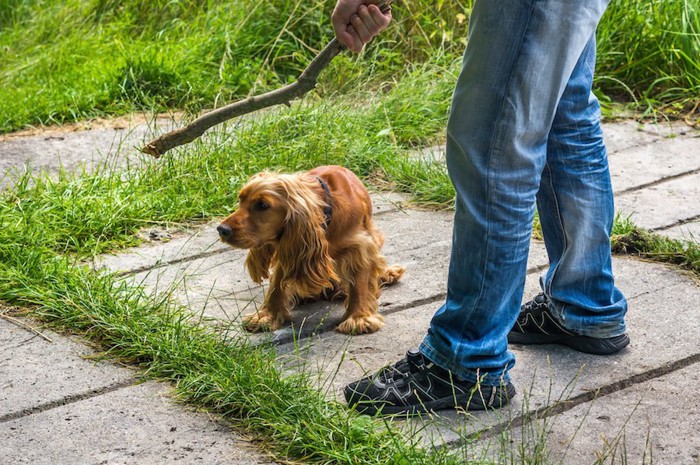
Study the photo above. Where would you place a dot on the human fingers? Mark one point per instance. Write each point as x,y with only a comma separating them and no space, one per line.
356,23
369,21
373,18
379,17
364,30
356,44
347,39
340,19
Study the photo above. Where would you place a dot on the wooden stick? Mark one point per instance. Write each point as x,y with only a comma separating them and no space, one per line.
304,83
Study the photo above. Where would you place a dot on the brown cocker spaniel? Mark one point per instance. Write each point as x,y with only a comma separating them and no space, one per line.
312,234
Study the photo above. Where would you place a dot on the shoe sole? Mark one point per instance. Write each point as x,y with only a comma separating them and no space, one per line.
585,344
467,401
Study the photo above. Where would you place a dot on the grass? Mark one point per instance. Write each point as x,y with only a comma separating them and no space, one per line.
63,60
226,376
88,214
648,54
66,60
628,239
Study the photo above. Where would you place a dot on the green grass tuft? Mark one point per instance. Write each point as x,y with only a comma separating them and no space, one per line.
67,60
648,54
226,376
628,239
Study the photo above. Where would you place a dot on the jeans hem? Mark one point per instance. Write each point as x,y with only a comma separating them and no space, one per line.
608,331
491,377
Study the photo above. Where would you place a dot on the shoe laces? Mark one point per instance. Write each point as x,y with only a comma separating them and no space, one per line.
411,363
539,301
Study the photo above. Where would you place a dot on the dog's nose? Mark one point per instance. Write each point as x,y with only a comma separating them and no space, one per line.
224,230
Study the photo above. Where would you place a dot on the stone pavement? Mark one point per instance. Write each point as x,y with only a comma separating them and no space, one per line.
59,406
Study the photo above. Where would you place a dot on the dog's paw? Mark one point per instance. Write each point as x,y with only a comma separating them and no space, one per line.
391,275
361,324
261,321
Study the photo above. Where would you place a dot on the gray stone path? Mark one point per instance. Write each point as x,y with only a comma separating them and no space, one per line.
57,405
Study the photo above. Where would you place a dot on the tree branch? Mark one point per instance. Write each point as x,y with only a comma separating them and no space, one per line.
304,83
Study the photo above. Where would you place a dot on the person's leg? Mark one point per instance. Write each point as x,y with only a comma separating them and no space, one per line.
575,204
519,58
518,61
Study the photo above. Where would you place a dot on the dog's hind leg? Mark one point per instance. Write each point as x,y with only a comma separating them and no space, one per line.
361,267
391,275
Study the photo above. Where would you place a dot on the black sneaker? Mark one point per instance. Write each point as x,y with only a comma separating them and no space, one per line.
536,325
416,385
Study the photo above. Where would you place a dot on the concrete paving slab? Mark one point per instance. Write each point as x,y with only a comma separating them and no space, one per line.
35,372
161,246
641,165
114,142
134,425
662,205
644,423
621,137
624,134
543,374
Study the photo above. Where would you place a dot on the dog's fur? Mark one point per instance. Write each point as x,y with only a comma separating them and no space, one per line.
281,220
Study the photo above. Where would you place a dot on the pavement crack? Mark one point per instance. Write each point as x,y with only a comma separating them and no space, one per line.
680,222
572,402
175,261
663,180
196,256
4,314
67,400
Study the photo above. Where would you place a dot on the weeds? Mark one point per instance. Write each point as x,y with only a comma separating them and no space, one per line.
646,57
628,239
230,376
69,60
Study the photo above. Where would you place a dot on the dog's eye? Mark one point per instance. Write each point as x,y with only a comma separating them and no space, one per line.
261,205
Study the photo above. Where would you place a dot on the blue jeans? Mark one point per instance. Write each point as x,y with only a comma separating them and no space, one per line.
524,130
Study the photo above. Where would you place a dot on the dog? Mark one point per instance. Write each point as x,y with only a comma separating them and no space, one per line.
311,233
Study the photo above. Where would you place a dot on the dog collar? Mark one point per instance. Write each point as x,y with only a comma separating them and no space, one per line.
328,209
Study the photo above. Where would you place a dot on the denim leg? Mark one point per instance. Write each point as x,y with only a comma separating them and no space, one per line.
518,61
575,204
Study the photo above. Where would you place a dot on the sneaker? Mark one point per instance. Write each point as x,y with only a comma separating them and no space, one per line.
416,385
536,325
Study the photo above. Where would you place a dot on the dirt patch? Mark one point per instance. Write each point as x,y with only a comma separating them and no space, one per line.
118,123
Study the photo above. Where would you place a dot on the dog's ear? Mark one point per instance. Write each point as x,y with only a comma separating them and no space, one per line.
259,261
304,253
304,256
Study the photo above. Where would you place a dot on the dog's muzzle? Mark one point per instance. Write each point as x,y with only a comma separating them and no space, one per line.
225,231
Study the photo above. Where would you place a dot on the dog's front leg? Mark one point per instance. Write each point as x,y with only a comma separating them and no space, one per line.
274,312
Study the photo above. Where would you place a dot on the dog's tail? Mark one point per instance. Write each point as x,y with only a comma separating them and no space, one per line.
391,275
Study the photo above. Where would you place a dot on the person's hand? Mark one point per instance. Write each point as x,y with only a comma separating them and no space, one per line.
356,22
